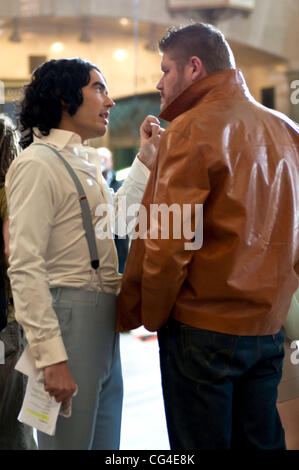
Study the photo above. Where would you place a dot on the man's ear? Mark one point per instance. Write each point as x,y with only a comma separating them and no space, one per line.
197,68
64,105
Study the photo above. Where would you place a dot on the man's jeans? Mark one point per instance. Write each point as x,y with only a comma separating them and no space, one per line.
220,390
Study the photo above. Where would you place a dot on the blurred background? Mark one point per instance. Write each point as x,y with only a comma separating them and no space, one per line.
120,37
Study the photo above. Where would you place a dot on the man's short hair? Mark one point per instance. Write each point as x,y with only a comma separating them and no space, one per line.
200,40
56,84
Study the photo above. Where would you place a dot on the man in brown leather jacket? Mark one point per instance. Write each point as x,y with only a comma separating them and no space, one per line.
218,303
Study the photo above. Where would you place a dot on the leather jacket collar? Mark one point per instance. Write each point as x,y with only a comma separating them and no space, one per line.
224,82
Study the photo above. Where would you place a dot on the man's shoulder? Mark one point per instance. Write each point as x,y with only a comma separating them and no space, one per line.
35,152
215,117
196,122
280,118
35,155
32,161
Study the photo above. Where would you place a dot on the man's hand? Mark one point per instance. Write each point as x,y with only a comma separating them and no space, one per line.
150,135
59,382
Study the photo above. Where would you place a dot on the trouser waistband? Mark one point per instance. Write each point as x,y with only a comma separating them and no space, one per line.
80,295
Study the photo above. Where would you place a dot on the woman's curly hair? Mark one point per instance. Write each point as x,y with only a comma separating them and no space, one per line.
54,85
9,147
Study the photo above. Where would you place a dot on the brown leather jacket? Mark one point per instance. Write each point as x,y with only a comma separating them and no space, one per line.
240,160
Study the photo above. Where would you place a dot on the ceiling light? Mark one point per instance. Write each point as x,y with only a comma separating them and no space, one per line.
120,54
57,47
124,21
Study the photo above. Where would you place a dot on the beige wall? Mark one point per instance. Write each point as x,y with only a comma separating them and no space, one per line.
120,74
259,77
264,43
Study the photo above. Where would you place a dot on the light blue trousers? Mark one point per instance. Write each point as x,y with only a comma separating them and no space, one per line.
87,322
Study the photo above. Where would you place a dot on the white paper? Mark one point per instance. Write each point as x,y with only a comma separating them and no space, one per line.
39,409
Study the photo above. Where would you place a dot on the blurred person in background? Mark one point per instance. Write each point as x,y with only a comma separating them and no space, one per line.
13,434
107,165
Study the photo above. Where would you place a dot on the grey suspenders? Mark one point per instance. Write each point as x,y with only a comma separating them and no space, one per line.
86,217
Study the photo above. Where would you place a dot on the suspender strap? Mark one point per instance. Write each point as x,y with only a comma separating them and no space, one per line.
86,217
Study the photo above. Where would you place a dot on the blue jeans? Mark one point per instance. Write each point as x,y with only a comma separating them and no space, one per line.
87,323
220,390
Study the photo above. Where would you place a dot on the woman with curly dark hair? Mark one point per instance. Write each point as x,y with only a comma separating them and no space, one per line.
13,434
